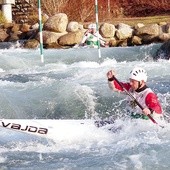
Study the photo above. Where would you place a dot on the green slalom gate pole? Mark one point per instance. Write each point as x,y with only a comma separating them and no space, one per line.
40,30
97,27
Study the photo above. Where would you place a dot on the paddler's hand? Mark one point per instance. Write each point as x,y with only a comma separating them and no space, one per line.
146,111
110,74
81,44
106,44
88,31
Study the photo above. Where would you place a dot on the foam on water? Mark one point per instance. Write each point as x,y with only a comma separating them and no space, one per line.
135,146
72,84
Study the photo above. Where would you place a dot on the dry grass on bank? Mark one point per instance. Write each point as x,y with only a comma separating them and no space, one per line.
145,20
135,20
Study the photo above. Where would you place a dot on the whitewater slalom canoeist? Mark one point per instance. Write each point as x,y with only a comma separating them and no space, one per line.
141,92
90,38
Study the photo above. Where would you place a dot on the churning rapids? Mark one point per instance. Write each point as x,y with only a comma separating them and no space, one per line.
72,85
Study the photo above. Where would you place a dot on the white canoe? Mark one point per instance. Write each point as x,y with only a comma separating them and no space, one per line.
47,128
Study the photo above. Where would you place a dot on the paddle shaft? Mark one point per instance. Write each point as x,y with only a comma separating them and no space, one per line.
150,117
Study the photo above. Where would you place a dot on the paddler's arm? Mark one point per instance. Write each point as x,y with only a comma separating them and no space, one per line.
153,103
86,35
113,84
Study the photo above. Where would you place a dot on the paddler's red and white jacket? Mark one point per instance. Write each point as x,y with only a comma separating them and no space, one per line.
145,96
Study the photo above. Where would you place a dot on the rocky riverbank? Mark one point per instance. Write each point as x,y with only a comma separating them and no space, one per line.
59,32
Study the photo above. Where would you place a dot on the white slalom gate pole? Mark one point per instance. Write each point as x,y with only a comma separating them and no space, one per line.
40,30
97,27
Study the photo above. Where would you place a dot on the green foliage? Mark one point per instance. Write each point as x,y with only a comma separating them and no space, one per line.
2,18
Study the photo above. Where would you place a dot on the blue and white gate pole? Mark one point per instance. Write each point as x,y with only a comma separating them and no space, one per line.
40,30
97,27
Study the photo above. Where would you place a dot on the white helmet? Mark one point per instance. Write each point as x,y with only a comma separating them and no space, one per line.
92,26
138,74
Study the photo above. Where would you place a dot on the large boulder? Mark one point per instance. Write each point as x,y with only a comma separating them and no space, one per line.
168,28
3,35
138,25
71,38
25,28
151,29
149,33
72,26
15,36
163,52
136,40
164,37
50,37
107,30
56,23
15,28
112,42
33,43
123,31
147,39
